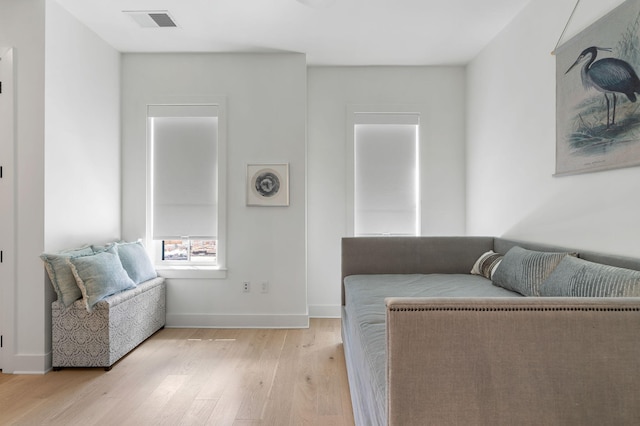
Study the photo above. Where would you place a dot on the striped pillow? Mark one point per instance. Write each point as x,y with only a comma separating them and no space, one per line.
524,270
486,264
580,278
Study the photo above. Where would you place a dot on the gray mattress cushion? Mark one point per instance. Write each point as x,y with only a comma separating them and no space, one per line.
365,314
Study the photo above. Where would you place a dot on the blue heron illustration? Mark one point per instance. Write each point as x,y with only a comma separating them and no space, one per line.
609,76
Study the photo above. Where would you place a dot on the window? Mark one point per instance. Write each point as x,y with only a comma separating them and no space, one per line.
386,174
186,205
202,251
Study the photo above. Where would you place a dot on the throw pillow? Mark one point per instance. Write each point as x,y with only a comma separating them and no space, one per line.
486,264
99,275
523,270
136,262
60,274
98,248
580,278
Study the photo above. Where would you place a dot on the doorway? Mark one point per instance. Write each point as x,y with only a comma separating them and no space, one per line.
7,201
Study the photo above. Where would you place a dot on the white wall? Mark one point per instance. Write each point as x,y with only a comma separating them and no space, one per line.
24,325
266,110
60,77
440,92
82,133
511,144
82,140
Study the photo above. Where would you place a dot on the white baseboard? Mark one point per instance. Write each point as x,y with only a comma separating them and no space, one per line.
26,364
325,311
236,321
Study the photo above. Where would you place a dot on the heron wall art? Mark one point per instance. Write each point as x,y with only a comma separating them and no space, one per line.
609,76
597,91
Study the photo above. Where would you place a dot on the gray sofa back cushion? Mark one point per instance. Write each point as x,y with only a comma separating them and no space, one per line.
411,255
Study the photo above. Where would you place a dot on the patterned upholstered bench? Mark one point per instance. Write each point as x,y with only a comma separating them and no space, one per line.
110,299
116,325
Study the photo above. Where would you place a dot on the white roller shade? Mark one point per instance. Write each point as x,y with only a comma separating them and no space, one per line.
184,143
386,175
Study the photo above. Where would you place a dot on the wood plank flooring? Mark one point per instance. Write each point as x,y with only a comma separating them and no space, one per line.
236,377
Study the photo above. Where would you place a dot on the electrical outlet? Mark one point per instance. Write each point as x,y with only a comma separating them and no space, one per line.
246,287
264,287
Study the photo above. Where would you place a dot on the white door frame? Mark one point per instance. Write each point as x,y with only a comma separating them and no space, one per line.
7,206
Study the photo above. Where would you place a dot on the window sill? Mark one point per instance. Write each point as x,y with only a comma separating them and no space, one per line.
192,272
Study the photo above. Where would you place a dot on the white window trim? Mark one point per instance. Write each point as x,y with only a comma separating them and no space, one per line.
352,110
193,271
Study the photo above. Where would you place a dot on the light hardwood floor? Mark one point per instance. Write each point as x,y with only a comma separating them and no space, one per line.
223,377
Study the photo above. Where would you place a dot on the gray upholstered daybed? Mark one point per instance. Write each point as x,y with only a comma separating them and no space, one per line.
428,343
110,300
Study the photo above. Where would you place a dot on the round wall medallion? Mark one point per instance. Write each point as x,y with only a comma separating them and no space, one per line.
267,183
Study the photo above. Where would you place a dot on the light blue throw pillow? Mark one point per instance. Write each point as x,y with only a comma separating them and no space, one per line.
99,248
99,275
580,278
59,271
136,262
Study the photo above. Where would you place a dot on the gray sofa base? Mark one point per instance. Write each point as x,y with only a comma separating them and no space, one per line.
450,359
116,325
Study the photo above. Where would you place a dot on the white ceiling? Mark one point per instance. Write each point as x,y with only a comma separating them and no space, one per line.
329,32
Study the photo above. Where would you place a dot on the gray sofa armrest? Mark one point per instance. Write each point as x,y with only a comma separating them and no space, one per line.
513,361
411,255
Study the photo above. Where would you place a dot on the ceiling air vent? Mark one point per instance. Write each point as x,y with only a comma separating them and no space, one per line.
152,18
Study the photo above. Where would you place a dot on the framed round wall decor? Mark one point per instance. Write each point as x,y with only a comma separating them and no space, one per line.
268,184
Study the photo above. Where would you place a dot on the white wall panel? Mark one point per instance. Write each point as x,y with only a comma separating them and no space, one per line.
440,93
266,104
22,25
511,144
82,142
82,131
